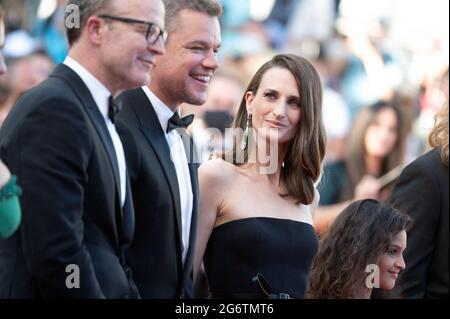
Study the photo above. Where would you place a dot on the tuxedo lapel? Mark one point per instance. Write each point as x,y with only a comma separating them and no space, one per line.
96,117
151,129
128,222
190,150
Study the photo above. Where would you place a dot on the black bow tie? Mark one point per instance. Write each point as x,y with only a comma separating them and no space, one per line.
113,109
177,122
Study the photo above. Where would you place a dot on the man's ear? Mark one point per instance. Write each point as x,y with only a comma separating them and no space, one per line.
95,29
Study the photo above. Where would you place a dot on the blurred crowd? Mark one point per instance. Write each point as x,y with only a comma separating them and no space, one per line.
363,50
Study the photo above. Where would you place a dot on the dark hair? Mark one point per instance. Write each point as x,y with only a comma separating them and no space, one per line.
87,9
304,156
212,8
357,238
356,162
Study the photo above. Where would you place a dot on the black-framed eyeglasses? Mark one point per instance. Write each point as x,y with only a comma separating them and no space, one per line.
154,32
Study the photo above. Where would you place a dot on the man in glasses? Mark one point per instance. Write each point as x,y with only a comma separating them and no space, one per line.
61,142
163,180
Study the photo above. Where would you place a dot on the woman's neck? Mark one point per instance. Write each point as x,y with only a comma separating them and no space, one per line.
267,163
373,165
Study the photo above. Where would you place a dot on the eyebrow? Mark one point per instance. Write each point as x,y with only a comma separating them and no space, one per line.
275,91
202,43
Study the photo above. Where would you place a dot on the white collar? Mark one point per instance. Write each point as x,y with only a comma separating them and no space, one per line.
163,112
98,91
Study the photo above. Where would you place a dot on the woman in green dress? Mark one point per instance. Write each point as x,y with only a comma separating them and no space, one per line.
9,191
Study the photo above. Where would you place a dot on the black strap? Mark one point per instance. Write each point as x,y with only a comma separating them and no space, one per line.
265,290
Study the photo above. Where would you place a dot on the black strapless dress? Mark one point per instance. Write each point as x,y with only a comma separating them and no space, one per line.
281,250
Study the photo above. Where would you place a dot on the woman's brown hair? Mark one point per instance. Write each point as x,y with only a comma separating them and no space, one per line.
303,159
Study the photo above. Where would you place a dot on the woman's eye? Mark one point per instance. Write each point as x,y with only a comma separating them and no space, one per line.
269,95
294,103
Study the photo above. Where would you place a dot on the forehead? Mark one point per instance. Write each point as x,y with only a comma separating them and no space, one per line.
146,10
399,239
281,80
386,115
197,26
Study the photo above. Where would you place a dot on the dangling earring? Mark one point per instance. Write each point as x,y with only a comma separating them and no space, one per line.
246,132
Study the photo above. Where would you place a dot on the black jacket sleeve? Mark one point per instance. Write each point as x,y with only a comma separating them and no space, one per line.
417,193
54,150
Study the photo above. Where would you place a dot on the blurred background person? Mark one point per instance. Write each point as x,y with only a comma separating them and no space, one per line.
309,20
366,239
216,115
375,147
51,32
336,114
422,192
24,73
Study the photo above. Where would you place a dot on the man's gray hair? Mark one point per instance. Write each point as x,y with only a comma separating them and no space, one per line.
212,8
87,9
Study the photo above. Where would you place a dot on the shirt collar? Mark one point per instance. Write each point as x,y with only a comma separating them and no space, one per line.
98,91
163,112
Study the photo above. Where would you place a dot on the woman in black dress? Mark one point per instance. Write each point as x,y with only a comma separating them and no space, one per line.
255,233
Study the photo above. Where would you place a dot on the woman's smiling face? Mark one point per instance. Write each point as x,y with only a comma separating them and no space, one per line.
276,106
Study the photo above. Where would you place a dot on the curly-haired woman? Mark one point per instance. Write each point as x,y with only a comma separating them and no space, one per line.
363,250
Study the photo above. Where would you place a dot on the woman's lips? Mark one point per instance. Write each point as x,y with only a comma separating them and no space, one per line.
394,275
276,124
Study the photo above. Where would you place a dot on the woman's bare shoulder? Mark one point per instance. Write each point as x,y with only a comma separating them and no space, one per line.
218,171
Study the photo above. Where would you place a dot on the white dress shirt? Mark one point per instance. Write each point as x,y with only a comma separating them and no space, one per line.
179,159
101,97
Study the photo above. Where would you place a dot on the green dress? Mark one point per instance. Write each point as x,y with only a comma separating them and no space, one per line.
10,213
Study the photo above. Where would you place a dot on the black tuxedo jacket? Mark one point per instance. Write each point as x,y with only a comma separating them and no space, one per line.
57,143
155,253
422,192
